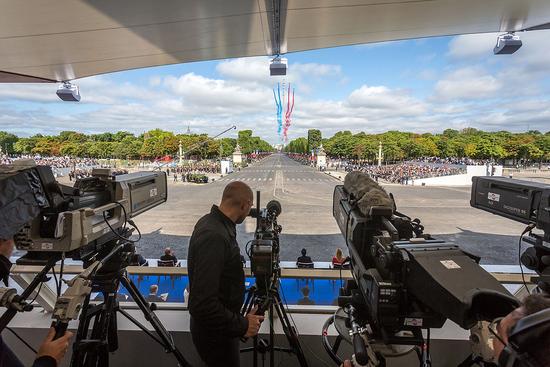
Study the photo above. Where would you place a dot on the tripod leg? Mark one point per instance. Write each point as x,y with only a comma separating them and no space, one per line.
150,316
289,330
271,337
93,351
102,334
83,325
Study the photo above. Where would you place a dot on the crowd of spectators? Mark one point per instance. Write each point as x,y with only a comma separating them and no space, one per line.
54,162
203,167
306,159
404,172
451,160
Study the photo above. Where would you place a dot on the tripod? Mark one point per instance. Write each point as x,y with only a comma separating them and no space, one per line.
270,299
92,347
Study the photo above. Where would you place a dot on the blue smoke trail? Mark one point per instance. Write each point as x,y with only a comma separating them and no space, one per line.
279,109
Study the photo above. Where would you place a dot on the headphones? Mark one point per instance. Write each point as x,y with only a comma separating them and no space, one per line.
526,332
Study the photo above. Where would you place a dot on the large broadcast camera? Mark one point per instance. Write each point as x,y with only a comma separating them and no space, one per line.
87,222
264,252
264,248
404,280
47,217
525,202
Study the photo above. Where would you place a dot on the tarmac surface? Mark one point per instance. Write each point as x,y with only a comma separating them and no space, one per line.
305,195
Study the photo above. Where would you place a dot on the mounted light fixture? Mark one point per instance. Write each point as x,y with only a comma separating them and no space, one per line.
278,66
68,92
507,44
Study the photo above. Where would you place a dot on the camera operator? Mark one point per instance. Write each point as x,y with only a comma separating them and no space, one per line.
537,349
216,280
51,352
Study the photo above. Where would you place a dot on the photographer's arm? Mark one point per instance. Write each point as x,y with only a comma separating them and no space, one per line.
204,302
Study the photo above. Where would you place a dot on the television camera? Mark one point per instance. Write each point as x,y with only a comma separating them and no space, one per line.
263,252
404,281
264,248
525,202
87,222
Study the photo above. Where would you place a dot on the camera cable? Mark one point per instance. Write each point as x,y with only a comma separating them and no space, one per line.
56,281
59,285
126,221
525,231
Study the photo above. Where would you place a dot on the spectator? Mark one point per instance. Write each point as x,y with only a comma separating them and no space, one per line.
304,261
169,256
138,260
153,297
338,259
305,300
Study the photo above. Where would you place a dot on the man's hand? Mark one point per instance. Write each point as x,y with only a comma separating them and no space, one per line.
55,348
254,322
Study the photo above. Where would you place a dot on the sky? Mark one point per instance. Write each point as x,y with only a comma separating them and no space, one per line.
425,85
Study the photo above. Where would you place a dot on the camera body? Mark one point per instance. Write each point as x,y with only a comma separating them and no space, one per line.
47,217
524,202
264,248
405,280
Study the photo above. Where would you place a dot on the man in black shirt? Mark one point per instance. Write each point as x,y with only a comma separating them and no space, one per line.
169,256
216,281
304,260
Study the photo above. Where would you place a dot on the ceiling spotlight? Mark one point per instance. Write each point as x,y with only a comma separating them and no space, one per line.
507,44
68,92
278,66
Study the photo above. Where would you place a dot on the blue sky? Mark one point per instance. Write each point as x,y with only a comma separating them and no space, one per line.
424,85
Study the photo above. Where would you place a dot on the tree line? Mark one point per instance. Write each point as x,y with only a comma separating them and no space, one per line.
124,145
469,143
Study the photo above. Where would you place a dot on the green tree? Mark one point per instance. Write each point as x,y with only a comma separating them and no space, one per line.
7,142
46,146
299,145
314,139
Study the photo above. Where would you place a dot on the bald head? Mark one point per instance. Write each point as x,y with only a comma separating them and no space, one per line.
237,200
236,193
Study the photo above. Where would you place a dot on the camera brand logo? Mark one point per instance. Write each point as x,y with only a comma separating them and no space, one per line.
450,264
493,197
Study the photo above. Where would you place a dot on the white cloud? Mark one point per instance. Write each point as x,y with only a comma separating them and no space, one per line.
467,84
218,94
385,99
